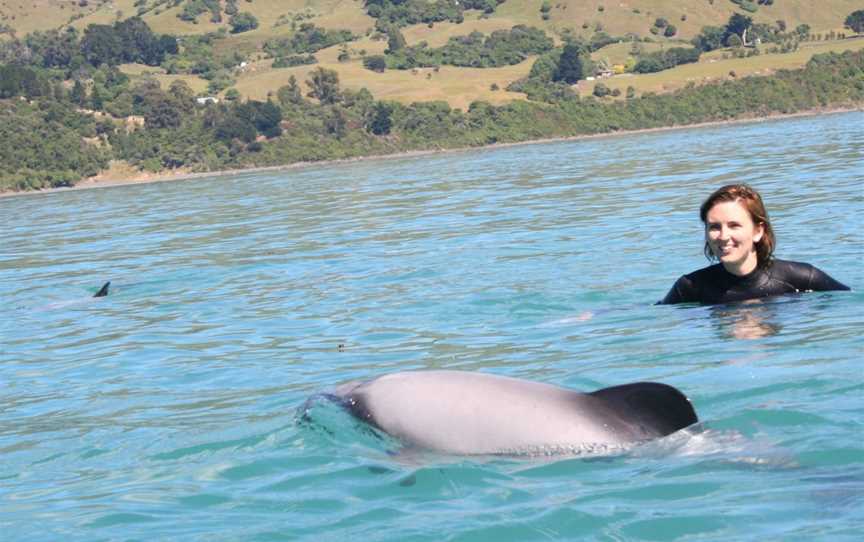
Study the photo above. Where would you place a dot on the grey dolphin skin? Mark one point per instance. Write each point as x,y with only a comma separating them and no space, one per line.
470,413
103,291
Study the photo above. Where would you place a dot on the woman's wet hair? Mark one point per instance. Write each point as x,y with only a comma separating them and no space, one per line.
752,201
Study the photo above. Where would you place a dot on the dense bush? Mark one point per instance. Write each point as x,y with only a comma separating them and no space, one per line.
855,21
200,56
669,58
398,13
23,81
307,39
376,63
501,48
713,37
43,146
130,40
192,9
48,143
243,22
294,60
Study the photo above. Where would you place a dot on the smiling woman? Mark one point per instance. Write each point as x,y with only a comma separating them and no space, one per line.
738,233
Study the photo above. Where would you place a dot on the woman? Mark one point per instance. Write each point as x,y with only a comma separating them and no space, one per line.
739,235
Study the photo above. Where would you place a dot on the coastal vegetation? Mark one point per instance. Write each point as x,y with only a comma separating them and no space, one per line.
203,85
339,123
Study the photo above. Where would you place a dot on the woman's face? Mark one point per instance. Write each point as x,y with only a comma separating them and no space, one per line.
732,236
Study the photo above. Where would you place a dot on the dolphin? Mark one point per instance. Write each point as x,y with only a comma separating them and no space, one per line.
470,413
103,291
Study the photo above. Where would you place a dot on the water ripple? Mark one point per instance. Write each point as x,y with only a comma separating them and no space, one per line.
168,409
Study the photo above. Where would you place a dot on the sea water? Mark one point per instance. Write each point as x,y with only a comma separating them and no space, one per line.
169,409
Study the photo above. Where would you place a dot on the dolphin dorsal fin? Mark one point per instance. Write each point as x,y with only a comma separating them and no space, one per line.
657,408
103,291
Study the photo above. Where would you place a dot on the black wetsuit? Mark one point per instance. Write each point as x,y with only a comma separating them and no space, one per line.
714,284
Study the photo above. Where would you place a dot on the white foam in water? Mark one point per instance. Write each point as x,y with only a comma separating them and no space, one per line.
730,446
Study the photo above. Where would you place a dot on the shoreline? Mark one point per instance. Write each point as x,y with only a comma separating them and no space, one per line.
180,175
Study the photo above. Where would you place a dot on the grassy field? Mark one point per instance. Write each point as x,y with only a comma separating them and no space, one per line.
618,17
638,16
26,16
461,86
457,86
618,53
714,69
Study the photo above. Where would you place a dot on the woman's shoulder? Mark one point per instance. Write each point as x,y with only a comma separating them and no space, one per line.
777,263
690,287
803,276
788,270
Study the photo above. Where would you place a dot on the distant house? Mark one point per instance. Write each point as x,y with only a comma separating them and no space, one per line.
207,100
755,43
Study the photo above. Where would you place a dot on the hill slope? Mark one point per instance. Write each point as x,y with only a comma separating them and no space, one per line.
459,86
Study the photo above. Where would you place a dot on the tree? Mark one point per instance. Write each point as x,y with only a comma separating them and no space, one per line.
18,81
381,121
235,126
738,24
78,95
183,96
324,85
162,113
376,63
855,21
168,44
570,65
243,22
670,31
395,40
335,122
101,45
734,40
138,43
53,48
710,38
97,102
601,90
266,118
290,93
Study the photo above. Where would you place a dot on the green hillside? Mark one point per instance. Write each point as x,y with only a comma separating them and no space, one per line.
459,86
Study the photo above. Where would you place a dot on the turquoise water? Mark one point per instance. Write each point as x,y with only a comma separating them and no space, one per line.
168,410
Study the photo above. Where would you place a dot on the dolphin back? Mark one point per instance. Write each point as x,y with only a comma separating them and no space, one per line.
103,291
651,409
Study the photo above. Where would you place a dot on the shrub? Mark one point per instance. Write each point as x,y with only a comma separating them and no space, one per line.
243,22
601,90
294,60
663,60
376,63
